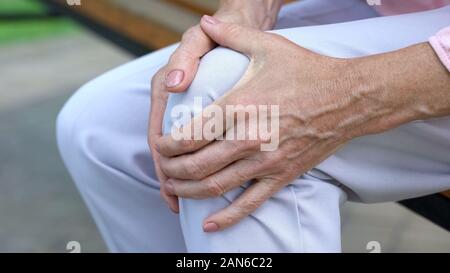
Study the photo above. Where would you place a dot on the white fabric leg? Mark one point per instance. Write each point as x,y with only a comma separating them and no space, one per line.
101,136
102,139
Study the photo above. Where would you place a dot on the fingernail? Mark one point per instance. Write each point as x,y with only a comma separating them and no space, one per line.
210,20
210,227
174,78
169,187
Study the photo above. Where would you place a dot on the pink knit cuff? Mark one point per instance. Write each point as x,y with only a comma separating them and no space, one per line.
441,44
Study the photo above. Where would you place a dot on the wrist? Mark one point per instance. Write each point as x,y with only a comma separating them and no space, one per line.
398,87
260,14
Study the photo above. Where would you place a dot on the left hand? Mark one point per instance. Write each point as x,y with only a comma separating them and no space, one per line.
320,110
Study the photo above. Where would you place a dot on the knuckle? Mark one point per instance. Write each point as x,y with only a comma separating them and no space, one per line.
182,54
236,146
149,140
266,161
253,145
157,86
165,170
276,157
250,205
193,169
231,31
187,144
241,175
164,147
243,146
164,196
159,145
214,188
157,77
190,33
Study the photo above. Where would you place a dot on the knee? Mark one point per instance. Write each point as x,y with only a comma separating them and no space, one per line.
71,122
101,118
81,120
218,72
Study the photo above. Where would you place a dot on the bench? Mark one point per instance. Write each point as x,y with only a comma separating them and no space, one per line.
141,26
138,26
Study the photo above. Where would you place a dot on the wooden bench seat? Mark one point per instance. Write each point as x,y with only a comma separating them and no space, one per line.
147,24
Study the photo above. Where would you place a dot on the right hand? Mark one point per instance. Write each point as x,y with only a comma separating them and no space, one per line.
179,72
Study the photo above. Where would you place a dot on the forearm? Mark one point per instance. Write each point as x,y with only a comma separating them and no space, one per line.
261,14
398,87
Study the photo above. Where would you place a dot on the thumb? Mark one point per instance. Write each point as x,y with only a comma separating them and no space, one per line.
239,38
184,62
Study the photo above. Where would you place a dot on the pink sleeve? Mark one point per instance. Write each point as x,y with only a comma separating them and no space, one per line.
441,44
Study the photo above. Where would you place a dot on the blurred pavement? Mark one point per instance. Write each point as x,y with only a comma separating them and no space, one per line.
40,208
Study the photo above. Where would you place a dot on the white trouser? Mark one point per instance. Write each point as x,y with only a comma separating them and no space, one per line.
102,138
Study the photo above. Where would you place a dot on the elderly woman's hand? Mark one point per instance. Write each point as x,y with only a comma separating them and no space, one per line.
182,67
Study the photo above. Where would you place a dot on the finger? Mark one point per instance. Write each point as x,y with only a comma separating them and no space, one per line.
222,115
217,184
171,201
157,109
183,63
192,134
250,200
208,160
230,35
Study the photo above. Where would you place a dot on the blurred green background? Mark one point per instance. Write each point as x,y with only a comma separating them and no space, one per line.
25,20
